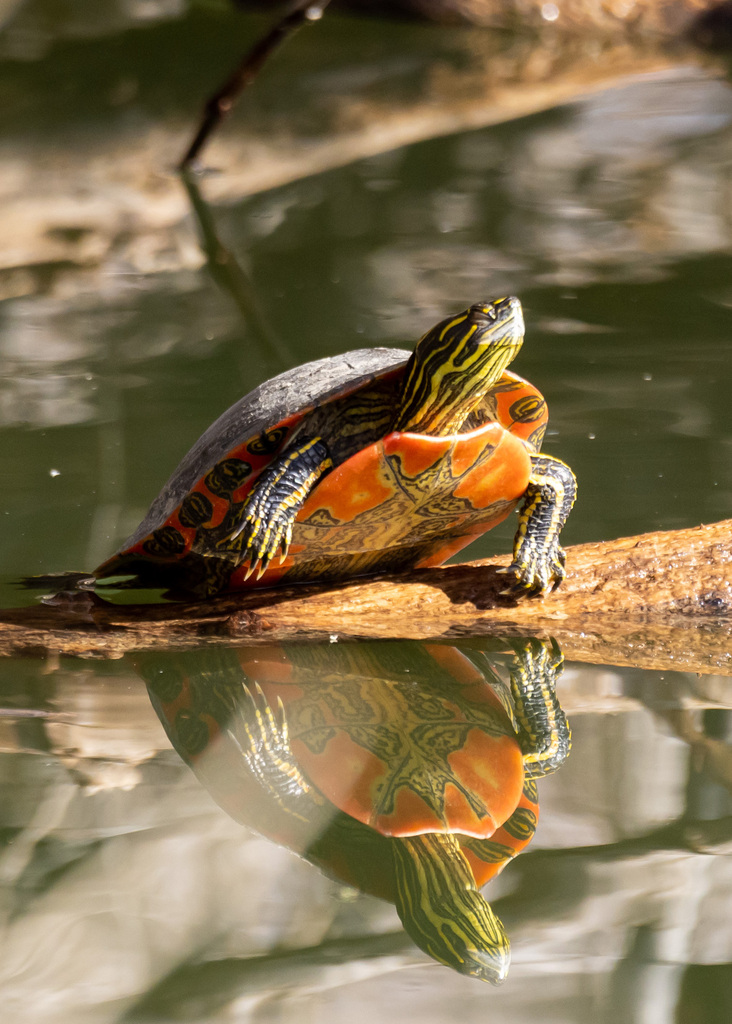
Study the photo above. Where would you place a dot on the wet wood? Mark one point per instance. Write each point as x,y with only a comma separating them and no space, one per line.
659,601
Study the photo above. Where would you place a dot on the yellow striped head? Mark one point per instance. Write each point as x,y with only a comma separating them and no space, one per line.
456,363
443,912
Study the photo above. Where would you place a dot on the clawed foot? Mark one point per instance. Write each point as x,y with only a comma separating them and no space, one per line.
262,539
266,527
538,559
264,730
536,571
260,732
274,502
538,663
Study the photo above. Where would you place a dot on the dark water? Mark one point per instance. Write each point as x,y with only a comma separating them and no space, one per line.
126,889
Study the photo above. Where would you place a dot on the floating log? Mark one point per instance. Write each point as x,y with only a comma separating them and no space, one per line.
659,601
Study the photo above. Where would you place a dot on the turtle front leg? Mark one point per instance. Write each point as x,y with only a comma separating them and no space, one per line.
261,735
276,498
541,725
538,558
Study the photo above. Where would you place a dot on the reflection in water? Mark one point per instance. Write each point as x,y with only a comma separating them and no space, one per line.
406,771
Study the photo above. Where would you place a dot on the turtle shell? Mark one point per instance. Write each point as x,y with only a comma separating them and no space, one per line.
404,757
327,693
395,500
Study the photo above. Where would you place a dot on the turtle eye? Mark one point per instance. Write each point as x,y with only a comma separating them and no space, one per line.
487,310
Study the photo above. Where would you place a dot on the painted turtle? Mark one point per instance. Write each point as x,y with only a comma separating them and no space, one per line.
376,460
398,768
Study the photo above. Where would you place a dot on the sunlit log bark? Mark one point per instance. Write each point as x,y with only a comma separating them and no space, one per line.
659,600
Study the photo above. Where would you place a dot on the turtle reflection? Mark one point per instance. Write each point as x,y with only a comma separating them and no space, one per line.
407,771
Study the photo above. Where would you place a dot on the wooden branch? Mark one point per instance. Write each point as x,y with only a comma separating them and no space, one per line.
660,600
223,100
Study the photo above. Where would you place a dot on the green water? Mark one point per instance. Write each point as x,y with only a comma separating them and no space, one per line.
127,892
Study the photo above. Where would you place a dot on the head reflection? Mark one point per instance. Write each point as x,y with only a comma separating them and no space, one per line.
407,771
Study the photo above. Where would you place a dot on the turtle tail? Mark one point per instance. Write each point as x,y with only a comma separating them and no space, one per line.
58,581
443,911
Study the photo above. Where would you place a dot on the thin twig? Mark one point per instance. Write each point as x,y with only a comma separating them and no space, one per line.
221,103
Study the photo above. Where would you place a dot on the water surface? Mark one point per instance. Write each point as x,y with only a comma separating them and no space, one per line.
128,893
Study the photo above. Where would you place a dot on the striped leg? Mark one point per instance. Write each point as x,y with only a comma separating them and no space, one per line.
275,500
262,737
538,559
488,857
543,731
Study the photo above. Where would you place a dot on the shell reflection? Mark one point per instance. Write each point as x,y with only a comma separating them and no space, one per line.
406,771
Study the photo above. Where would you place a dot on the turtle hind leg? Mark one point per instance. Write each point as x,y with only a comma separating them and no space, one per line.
538,558
273,503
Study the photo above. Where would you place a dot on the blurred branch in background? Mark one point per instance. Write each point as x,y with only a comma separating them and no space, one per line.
227,271
704,22
345,92
708,22
218,106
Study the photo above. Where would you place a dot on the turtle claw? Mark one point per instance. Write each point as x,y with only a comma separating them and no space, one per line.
260,732
524,584
285,542
265,730
536,574
261,550
262,542
257,566
270,510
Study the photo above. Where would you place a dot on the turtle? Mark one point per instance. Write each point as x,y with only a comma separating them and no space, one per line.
377,460
406,770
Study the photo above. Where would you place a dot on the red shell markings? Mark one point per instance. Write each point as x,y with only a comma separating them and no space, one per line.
222,503
345,766
489,466
397,470
216,501
407,500
351,777
358,485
